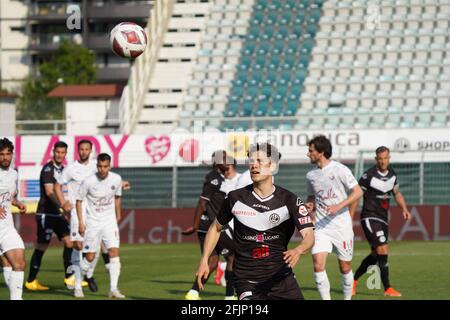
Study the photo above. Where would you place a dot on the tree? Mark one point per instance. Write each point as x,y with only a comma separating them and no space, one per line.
70,64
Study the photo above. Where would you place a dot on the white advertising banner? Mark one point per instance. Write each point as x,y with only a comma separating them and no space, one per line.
194,149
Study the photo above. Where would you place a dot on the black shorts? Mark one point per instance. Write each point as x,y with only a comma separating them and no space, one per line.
224,247
282,288
48,224
376,231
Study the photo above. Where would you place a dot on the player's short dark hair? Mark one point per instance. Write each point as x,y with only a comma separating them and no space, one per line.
60,144
103,157
323,145
382,149
5,143
270,150
89,142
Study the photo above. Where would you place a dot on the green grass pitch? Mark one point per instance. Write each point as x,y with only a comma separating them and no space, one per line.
417,269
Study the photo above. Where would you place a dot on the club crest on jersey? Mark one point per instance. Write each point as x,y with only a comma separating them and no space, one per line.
274,218
113,187
302,210
215,182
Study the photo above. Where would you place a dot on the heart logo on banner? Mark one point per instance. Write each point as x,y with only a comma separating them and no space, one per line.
157,148
189,150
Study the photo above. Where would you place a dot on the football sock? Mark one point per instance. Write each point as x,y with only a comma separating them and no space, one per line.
67,256
114,272
368,261
323,284
229,277
384,270
347,285
35,264
7,274
16,285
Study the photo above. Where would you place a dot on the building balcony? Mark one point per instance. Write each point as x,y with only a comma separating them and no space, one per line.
48,42
120,12
48,12
98,42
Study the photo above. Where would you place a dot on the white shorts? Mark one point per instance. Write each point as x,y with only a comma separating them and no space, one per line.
337,241
10,240
107,232
74,226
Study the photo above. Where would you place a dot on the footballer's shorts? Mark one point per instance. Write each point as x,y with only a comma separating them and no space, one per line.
47,224
280,288
339,241
224,247
376,231
106,232
10,240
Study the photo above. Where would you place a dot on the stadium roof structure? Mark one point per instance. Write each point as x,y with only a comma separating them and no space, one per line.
87,91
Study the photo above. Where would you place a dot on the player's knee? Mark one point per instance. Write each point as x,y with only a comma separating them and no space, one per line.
345,267
67,243
18,265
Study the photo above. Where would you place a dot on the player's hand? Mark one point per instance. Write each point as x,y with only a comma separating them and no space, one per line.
67,206
406,215
126,185
291,257
202,273
82,229
22,208
188,231
118,218
333,209
2,213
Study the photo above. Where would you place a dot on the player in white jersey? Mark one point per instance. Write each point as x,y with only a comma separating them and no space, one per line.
73,175
12,247
101,193
331,189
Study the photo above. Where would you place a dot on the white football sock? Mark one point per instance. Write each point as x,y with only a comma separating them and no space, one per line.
347,285
6,274
114,272
223,265
323,284
76,257
84,268
16,285
91,270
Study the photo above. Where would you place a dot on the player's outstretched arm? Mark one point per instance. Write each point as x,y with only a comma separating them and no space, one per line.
212,237
356,194
352,208
292,256
118,207
81,225
65,205
400,199
201,207
22,207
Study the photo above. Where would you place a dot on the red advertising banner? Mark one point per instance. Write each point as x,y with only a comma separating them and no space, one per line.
165,225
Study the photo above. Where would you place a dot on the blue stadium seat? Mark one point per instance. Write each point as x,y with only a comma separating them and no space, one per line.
261,108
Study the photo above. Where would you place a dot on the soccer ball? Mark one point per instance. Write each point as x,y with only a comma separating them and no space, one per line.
128,40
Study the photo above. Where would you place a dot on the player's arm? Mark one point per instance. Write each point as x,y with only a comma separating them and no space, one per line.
310,204
354,196
49,190
352,208
201,207
65,204
304,223
126,185
400,199
22,207
118,207
212,237
81,225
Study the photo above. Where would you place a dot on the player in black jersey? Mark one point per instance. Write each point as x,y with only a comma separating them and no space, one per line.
48,218
208,204
265,217
379,183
